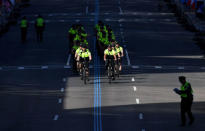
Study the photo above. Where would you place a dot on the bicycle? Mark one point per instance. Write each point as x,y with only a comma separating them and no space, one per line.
84,71
111,73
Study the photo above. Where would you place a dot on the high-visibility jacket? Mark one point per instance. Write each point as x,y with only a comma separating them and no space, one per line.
109,53
40,22
85,54
184,88
119,49
24,23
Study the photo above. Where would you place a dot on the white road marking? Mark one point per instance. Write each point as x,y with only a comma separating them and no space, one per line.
92,13
77,20
120,25
78,13
68,61
62,90
107,19
120,10
181,68
137,101
21,68
64,79
66,67
135,67
44,67
86,10
143,129
140,116
61,20
158,67
59,100
203,68
135,88
133,79
56,117
128,58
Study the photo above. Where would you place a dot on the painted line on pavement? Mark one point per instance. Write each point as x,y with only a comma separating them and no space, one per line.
68,61
121,12
137,100
181,68
62,89
141,116
143,130
128,58
64,79
86,10
59,100
135,88
77,20
67,67
44,67
135,67
21,68
56,117
133,79
158,67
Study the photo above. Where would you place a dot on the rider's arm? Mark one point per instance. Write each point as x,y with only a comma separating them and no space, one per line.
78,58
115,57
118,55
90,57
104,57
122,53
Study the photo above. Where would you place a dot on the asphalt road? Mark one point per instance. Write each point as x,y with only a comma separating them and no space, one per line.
40,92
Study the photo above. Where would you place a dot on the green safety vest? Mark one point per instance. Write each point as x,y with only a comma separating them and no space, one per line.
78,50
110,53
24,23
183,88
85,54
119,49
40,22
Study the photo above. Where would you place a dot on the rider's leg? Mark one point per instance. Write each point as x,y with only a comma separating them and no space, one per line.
120,65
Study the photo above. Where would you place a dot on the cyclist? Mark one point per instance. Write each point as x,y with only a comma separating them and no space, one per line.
84,56
78,51
120,53
110,56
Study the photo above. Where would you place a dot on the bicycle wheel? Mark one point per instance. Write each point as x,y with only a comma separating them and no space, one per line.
109,74
84,75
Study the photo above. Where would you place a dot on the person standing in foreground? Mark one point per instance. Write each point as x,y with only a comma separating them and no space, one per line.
24,27
186,94
40,26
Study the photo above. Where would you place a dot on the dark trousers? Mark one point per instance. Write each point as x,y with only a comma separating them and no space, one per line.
23,34
186,105
39,34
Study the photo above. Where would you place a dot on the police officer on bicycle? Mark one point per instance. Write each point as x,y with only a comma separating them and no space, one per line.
84,56
110,56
